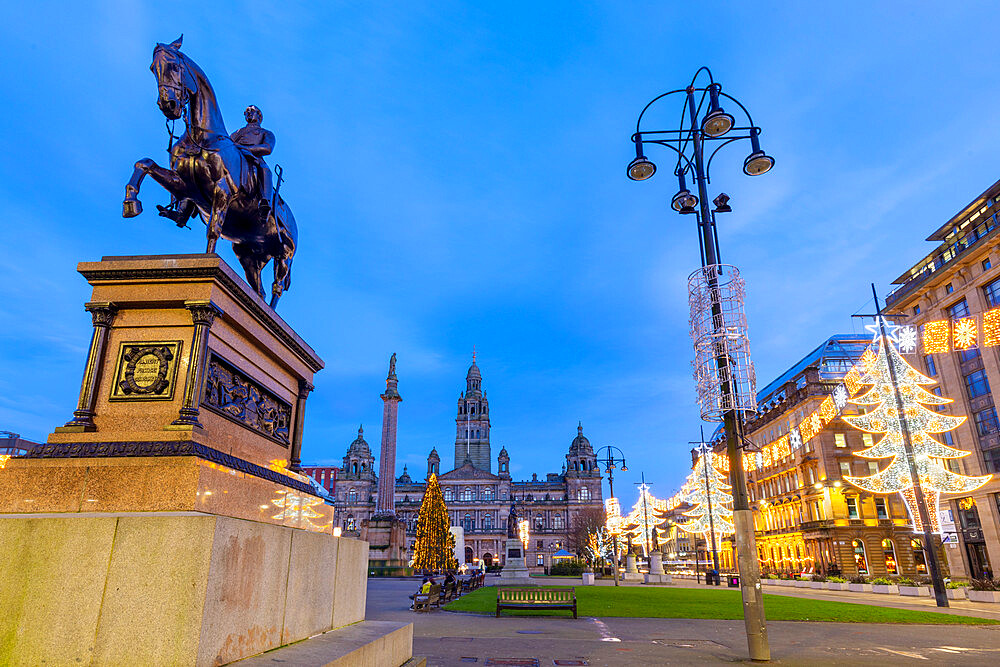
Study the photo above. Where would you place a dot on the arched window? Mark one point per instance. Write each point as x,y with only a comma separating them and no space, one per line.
355,467
468,523
889,553
349,522
860,559
584,493
918,556
539,522
557,522
488,493
447,493
468,554
352,496
488,522
467,493
477,432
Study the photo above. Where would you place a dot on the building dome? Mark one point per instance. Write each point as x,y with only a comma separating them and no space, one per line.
580,444
433,456
359,446
404,478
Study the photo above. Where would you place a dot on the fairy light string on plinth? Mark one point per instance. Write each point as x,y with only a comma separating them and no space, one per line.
923,423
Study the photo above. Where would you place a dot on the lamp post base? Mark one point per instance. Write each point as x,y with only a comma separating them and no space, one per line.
753,597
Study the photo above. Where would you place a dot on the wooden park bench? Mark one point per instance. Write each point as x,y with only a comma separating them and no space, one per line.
536,598
424,601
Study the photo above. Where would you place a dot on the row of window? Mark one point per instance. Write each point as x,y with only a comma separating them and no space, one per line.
888,556
469,494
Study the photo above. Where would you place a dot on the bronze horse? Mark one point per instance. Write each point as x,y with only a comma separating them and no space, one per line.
214,177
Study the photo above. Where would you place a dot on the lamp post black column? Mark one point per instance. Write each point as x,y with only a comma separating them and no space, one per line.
610,462
688,142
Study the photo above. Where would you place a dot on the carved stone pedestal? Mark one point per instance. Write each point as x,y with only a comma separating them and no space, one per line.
163,524
386,537
514,571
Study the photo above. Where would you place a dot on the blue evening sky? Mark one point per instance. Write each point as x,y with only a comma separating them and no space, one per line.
458,177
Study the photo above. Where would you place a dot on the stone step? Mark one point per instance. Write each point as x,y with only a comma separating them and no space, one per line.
364,644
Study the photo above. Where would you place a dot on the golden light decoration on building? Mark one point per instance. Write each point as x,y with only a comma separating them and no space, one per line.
613,516
936,335
297,508
922,423
3,460
827,410
965,333
523,532
991,327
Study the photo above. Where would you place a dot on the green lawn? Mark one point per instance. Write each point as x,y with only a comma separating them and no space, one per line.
663,602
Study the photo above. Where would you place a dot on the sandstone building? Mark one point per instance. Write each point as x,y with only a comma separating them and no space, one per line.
479,497
952,296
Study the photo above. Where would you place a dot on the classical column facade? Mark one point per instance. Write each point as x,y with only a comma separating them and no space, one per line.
386,505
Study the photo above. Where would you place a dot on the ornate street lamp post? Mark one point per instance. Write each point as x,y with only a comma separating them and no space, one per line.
612,458
724,374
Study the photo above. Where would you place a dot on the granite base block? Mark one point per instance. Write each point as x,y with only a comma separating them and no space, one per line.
364,644
168,587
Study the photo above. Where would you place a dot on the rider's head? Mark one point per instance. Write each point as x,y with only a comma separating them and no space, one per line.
253,114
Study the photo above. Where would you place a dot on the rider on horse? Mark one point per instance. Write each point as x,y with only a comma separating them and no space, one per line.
257,142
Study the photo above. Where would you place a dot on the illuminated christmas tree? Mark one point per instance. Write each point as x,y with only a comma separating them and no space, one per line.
707,490
434,549
646,515
922,423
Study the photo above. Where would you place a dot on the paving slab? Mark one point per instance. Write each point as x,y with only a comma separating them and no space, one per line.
447,638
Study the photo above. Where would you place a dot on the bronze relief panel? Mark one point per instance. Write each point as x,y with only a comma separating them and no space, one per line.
236,396
146,371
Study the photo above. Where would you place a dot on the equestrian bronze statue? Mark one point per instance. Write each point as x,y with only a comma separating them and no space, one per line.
219,177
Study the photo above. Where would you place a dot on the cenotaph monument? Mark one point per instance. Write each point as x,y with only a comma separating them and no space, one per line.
166,523
385,532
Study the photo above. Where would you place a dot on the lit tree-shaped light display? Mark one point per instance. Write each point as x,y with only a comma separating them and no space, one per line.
434,548
646,515
708,492
922,424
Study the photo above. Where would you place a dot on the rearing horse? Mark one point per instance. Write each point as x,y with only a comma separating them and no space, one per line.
209,170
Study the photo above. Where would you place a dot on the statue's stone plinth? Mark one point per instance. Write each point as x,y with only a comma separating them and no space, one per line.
386,537
162,524
514,571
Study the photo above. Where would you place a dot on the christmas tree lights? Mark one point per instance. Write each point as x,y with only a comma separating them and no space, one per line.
922,424
646,515
434,549
709,493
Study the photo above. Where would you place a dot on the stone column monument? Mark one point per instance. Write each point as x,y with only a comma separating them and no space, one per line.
385,533
386,506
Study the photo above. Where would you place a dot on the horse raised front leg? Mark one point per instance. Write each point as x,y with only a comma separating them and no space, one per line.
132,207
168,178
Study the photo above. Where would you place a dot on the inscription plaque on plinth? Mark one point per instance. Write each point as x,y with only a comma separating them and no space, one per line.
146,371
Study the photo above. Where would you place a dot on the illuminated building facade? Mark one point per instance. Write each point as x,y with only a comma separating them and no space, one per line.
952,297
478,498
807,518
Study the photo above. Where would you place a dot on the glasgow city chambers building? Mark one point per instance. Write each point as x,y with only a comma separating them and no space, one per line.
479,498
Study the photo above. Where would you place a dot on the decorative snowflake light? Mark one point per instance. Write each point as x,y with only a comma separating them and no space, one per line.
906,337
840,397
965,333
794,438
922,423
